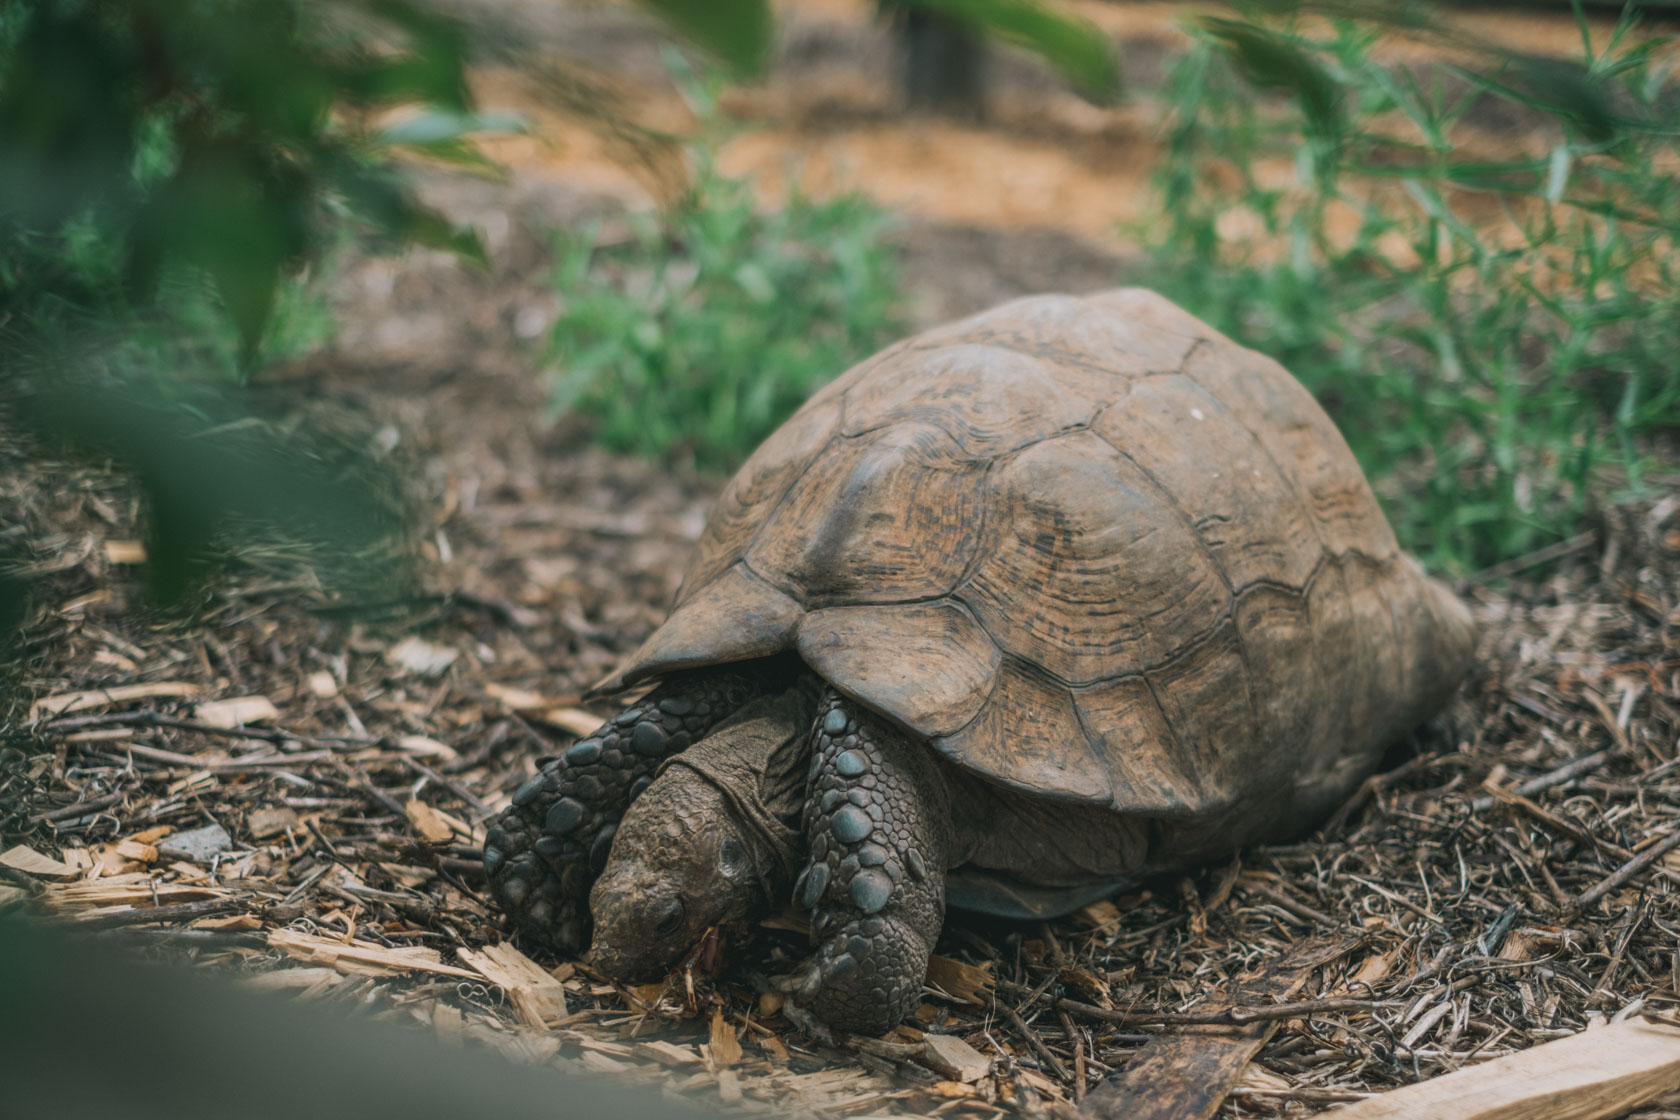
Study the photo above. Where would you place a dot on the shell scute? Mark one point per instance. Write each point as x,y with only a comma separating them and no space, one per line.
1246,512
1027,735
926,665
762,480
1118,580
861,526
987,399
1284,416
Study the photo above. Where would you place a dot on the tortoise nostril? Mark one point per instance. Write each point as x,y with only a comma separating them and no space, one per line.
668,918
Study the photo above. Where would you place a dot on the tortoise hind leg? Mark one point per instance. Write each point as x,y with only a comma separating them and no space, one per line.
878,820
543,852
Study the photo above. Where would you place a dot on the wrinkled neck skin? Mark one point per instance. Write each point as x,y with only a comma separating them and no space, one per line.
710,843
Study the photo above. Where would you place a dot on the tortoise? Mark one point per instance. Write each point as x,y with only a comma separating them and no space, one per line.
1017,612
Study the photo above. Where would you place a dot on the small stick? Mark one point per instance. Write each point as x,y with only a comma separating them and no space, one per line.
146,915
1036,1042
1628,870
1078,1039
79,809
1281,898
1578,543
1569,771
467,796
156,719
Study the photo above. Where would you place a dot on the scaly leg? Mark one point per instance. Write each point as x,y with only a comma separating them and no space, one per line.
543,852
877,818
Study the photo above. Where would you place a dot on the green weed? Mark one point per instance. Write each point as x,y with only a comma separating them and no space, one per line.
716,320
1493,319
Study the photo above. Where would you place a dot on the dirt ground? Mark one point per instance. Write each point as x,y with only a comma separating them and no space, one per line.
1467,900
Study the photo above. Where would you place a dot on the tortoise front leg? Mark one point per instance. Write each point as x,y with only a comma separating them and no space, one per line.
543,852
878,820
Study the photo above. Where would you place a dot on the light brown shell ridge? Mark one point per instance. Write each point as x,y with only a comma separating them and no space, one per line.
1088,548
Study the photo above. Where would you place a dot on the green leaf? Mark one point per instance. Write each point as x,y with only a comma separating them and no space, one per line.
436,126
1076,47
1273,60
737,31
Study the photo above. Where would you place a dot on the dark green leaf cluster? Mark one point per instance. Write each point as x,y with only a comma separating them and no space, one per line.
1494,333
213,134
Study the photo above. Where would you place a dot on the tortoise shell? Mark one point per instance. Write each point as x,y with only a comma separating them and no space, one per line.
1088,548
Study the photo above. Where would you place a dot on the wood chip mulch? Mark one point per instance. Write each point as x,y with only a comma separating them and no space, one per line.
291,791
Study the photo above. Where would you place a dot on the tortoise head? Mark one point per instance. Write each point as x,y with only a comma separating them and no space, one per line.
681,865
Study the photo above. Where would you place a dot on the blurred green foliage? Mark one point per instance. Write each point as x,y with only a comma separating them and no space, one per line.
704,331
1073,45
1494,330
174,174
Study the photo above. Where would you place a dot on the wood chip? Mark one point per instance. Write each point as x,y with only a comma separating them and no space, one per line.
264,823
424,747
26,859
535,995
421,658
289,979
1186,1073
724,1049
364,957
669,1054
966,982
236,711
517,699
323,684
956,1059
125,552
428,822
230,922
66,702
1589,1076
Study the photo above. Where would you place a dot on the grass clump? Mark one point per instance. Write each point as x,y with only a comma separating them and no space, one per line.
1489,311
715,321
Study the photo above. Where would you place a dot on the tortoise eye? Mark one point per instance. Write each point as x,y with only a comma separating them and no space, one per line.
670,919
732,854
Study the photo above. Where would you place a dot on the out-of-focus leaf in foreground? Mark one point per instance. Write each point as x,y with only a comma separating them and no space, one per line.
737,31
1075,46
214,481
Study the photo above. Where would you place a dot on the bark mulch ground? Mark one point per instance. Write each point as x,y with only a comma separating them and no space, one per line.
289,789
